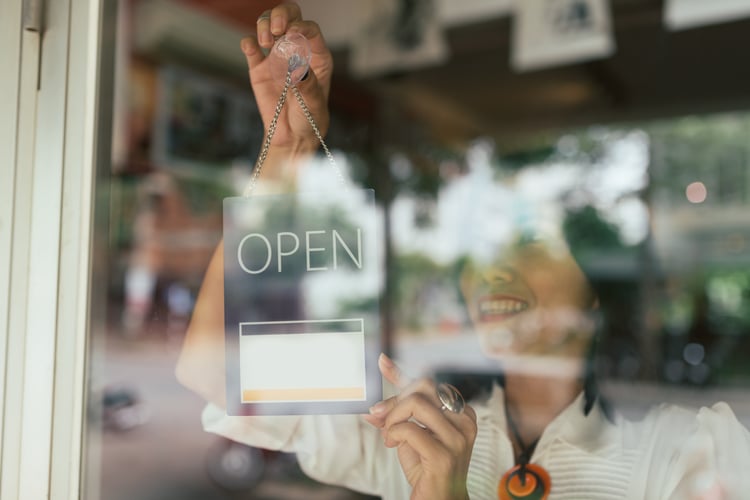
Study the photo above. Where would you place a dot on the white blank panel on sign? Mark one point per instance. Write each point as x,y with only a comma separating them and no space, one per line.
296,361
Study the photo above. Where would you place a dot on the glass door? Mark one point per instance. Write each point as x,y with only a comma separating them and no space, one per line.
620,201
55,130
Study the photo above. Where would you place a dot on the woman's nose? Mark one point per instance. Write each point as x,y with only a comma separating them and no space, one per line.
497,275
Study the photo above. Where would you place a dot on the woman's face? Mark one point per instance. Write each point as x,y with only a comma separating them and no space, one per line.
532,300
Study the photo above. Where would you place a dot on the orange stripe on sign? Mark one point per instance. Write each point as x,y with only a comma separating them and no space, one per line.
311,394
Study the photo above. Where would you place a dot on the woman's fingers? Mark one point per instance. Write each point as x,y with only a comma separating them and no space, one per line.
418,403
282,15
311,31
419,438
468,425
251,45
252,51
455,431
380,410
421,409
311,88
321,61
286,18
391,372
263,29
434,445
275,22
429,466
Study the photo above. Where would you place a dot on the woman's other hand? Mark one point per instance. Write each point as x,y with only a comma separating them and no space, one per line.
293,132
434,445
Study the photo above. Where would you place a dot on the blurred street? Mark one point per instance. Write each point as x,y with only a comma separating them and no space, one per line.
166,454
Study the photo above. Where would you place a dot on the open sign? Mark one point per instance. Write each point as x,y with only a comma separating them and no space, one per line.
318,243
302,277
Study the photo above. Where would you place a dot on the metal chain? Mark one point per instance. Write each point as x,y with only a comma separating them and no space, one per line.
314,126
272,130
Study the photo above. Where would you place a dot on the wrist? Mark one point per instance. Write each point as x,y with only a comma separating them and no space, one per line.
292,153
282,164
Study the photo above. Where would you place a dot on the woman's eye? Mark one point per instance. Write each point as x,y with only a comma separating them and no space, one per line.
529,238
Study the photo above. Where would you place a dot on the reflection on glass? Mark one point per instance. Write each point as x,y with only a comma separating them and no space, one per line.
606,269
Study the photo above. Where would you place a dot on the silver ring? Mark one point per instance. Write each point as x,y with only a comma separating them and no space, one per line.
450,398
265,15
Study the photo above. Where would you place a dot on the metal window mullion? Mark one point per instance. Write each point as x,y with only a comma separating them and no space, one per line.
44,258
20,50
87,155
10,51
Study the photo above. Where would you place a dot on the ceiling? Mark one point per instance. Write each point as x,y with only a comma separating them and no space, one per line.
653,73
240,13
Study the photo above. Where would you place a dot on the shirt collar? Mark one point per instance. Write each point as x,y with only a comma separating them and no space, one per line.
590,433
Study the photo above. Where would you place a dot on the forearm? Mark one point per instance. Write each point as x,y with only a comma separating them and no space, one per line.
200,366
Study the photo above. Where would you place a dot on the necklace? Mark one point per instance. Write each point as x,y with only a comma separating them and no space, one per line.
524,481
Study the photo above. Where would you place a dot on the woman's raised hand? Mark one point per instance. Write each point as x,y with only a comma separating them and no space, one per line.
434,445
293,132
201,363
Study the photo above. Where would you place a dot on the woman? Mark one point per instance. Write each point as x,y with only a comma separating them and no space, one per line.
538,434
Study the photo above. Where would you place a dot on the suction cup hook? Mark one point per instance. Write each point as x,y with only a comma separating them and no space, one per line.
291,52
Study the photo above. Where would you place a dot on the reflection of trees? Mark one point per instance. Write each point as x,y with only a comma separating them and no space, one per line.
599,250
357,307
720,321
588,233
421,289
712,306
729,296
713,150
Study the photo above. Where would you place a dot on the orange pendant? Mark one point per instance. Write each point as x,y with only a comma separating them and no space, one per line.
532,483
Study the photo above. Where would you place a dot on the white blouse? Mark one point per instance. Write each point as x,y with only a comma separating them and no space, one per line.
670,454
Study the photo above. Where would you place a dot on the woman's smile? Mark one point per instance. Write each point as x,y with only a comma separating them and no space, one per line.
500,307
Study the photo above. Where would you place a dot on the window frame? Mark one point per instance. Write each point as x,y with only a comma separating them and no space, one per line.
56,122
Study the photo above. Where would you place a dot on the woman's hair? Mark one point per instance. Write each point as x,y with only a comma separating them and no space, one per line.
609,266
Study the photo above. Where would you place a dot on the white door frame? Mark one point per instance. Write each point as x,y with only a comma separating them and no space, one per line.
54,128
